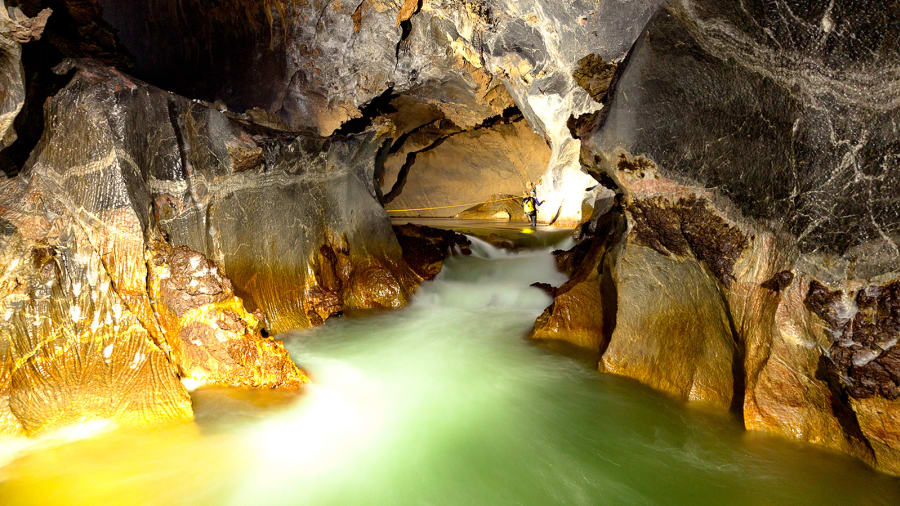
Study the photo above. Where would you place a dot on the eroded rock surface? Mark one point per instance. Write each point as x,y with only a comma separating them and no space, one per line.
15,29
758,183
104,318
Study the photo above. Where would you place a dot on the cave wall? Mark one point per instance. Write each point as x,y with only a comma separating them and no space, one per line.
749,259
807,92
754,156
152,242
326,63
467,167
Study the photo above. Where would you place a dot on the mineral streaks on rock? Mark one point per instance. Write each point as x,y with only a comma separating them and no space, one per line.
765,162
672,330
257,202
788,110
336,65
103,318
72,350
785,392
707,306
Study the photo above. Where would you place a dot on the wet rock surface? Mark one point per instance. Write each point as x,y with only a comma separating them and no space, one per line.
426,248
787,109
748,258
759,194
99,305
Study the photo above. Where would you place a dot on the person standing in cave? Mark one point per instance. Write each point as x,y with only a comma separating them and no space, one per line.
530,205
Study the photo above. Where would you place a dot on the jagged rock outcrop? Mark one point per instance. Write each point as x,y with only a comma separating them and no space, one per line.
336,66
15,29
105,318
758,261
426,248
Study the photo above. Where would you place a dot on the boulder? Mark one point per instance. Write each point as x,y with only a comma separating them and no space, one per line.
426,248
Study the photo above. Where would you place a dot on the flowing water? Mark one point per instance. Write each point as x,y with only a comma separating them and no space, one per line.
444,402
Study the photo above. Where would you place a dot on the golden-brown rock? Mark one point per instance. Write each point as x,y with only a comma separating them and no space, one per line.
575,316
672,330
214,340
879,421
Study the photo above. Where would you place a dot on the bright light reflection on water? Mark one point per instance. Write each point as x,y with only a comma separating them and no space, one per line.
445,402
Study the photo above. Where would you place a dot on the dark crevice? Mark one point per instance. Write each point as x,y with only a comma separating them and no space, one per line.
380,157
179,139
402,139
405,30
397,188
614,226
509,115
387,148
840,404
738,371
374,108
41,83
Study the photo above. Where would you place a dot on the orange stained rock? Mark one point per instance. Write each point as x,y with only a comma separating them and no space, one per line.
407,10
213,338
575,316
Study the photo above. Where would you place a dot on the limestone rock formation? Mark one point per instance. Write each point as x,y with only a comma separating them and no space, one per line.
748,259
758,182
15,29
462,167
98,303
336,66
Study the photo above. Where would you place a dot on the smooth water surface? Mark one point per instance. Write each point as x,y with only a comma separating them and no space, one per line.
445,402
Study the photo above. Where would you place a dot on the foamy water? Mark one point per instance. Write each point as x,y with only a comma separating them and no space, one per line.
446,402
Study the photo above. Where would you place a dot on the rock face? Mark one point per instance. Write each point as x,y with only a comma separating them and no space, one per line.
335,66
99,305
817,113
426,248
15,29
757,264
465,168
748,259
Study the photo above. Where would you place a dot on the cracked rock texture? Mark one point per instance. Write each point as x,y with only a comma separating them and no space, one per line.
97,304
328,64
753,152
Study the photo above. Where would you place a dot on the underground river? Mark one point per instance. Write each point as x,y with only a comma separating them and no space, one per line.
444,402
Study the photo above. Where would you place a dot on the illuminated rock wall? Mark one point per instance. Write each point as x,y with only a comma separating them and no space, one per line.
104,318
751,258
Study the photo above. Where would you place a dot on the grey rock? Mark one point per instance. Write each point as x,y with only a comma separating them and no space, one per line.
787,109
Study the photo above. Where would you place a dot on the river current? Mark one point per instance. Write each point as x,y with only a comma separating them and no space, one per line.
443,402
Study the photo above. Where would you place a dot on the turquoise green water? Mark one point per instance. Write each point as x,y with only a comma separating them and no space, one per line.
446,402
